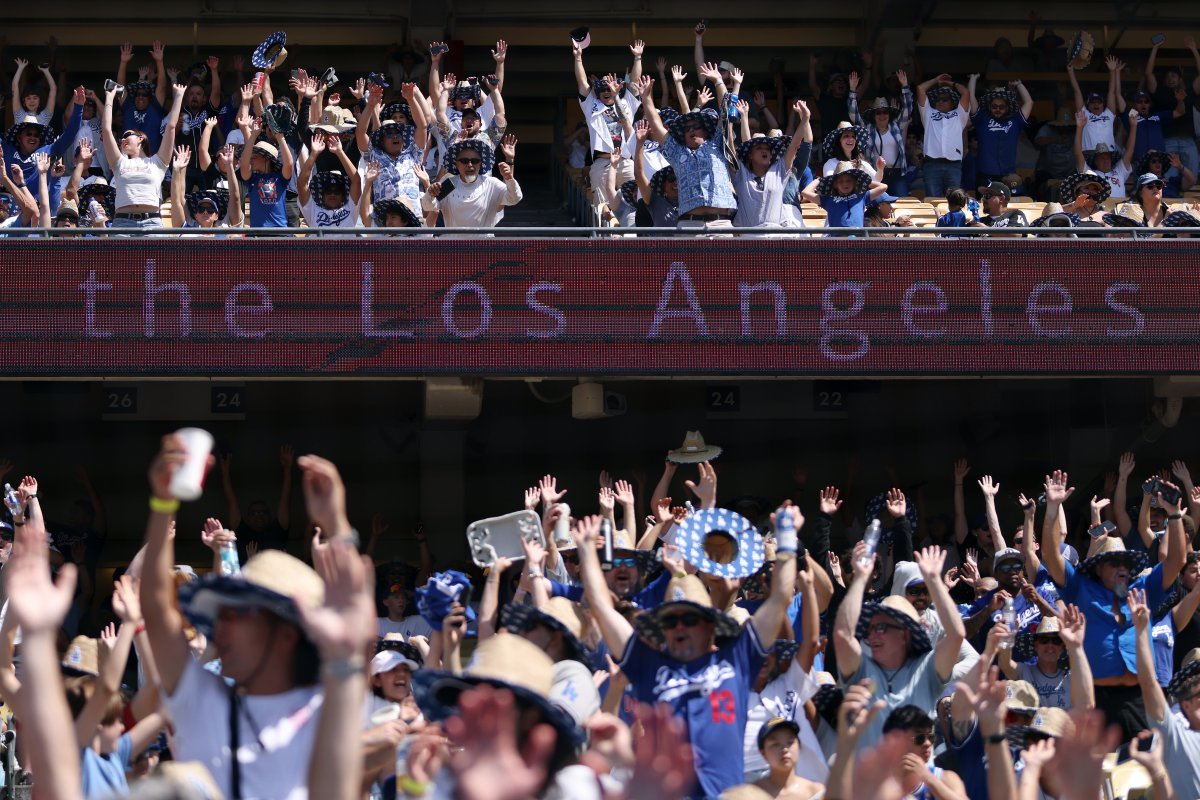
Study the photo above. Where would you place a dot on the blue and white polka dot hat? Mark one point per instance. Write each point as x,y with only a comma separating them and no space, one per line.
271,52
749,550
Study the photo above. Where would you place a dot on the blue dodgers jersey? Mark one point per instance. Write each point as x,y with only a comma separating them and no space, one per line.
268,193
711,695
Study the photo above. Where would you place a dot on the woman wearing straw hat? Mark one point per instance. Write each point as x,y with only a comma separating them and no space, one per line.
886,126
765,163
846,142
903,663
1100,587
705,663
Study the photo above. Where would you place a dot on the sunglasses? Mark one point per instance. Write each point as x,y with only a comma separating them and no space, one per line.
1047,640
624,562
1153,185
470,162
921,738
127,134
883,627
206,210
1010,566
917,590
689,619
695,127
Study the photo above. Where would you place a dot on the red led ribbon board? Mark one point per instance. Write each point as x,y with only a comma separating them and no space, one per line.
407,307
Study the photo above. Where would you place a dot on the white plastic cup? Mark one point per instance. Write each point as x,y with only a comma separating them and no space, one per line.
188,481
562,526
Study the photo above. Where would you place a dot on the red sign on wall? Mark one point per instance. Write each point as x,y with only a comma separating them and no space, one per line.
160,307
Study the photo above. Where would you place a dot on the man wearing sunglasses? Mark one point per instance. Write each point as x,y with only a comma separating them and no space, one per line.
918,776
1028,604
995,196
704,662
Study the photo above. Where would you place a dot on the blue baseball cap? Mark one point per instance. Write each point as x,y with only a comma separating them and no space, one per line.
884,198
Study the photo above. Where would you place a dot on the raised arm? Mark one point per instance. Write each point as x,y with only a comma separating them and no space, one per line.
1177,542
164,622
581,78
644,89
961,470
168,140
203,157
615,629
1131,139
179,165
845,643
930,561
1028,536
1078,93
813,86
968,100
42,162
1056,494
698,45
435,67
303,192
416,102
770,616
990,488
1073,626
636,49
114,645
803,134
160,78
1152,694
1115,101
1148,73
709,72
1120,496
123,66
677,76
226,165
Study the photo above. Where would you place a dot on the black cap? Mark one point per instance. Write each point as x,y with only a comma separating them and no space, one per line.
774,724
998,187
579,34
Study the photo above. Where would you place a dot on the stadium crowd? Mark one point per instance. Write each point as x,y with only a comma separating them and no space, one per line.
837,647
414,146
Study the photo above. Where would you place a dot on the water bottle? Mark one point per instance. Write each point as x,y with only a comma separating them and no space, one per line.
229,558
11,501
1009,616
871,539
606,536
786,537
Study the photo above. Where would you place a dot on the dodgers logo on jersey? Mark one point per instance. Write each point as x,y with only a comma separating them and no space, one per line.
671,684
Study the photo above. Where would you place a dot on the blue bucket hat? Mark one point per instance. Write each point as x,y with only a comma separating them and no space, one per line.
749,547
442,591
450,162
707,117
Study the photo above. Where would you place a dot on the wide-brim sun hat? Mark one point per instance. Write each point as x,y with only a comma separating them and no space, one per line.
829,145
381,209
323,180
218,197
1126,215
685,594
18,127
104,194
656,187
389,128
560,614
628,192
82,657
503,661
720,542
1101,149
270,52
998,93
1181,219
902,611
486,154
777,144
1188,670
1111,549
941,91
391,109
271,152
862,181
1143,164
881,104
693,450
335,120
271,580
706,116
1069,188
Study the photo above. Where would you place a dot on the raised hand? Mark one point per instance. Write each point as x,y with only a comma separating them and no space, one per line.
988,486
662,764
1126,465
156,51
637,47
586,532
706,490
183,157
1179,469
125,601
661,63
1077,765
1072,626
704,96
902,76
743,106
737,75
1056,487
126,53
318,145
896,505
829,501
1170,508
801,110
533,496
506,171
501,51
853,80
930,561
710,72
508,146
42,162
550,492
961,470
324,493
677,74
835,565
607,500
861,566
624,492
345,623
1138,609
1027,505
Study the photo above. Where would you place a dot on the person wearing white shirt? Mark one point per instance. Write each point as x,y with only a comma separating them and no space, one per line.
1101,111
1102,157
945,111
608,111
470,197
329,199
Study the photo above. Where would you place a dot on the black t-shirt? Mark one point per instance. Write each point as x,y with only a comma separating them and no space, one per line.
273,537
1012,218
1164,97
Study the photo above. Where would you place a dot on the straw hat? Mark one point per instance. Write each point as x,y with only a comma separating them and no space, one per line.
559,614
82,657
1022,697
1188,670
272,580
1110,549
899,609
1126,215
862,179
693,450
689,593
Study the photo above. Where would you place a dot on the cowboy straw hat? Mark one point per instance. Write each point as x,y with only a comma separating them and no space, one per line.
862,179
693,450
336,120
82,657
685,593
1112,549
272,580
1126,215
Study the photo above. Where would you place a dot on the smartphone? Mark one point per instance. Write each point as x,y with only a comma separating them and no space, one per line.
1158,38
438,49
1106,528
1147,744
296,74
1170,494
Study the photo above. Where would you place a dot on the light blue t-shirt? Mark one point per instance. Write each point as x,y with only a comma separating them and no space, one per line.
104,775
915,683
